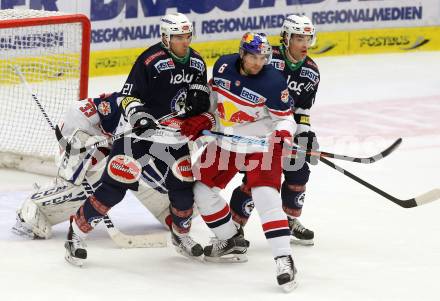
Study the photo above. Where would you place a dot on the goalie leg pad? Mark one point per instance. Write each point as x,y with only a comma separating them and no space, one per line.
156,202
49,206
31,222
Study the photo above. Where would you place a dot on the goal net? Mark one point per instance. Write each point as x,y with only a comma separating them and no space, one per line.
51,50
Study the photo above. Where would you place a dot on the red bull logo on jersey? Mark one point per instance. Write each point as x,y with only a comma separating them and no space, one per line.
163,65
229,114
252,96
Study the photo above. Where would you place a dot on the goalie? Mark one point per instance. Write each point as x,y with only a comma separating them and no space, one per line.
86,121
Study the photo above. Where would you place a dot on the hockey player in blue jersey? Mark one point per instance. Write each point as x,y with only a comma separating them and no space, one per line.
249,98
156,87
302,75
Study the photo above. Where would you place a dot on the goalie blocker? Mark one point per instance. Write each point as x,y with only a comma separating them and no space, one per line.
80,174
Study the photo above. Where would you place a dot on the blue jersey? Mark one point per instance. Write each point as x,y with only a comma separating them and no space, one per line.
254,105
160,81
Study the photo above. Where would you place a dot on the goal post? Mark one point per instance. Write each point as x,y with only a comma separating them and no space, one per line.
51,50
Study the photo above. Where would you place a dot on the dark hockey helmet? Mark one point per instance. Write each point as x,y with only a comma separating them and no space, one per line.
256,43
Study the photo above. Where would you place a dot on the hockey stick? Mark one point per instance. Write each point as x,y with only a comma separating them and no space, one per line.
105,142
319,154
422,199
121,239
151,240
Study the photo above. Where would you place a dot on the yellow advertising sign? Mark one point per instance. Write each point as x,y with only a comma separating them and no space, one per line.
112,62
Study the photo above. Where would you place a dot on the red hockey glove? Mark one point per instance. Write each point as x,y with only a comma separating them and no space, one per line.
192,126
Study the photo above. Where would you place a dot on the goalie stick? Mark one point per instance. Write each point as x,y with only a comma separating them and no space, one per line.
122,240
319,154
149,240
105,142
422,199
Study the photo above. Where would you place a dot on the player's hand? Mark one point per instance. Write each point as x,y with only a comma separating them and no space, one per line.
192,126
308,140
197,99
142,121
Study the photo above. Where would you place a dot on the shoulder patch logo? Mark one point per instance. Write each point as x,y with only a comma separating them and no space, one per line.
223,83
278,64
104,108
163,65
197,64
310,74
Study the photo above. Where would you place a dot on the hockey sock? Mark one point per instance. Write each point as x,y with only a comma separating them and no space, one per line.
293,198
241,205
214,211
273,219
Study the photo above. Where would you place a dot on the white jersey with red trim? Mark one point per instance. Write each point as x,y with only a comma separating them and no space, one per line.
96,116
251,106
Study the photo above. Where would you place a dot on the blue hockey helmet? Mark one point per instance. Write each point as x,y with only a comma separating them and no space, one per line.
256,43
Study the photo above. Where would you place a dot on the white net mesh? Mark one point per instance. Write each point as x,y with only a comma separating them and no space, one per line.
49,57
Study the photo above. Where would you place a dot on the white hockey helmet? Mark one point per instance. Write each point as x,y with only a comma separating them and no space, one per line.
295,24
174,23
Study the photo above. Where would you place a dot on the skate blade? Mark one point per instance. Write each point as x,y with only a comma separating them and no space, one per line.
230,258
191,257
289,286
302,242
73,260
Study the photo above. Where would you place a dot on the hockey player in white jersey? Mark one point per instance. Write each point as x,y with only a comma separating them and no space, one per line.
87,121
250,98
302,76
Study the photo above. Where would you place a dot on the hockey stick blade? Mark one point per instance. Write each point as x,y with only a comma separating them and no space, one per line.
320,154
151,240
422,199
368,160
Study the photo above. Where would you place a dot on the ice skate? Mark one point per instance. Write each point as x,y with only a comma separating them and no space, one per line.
229,250
185,245
300,235
286,272
75,246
